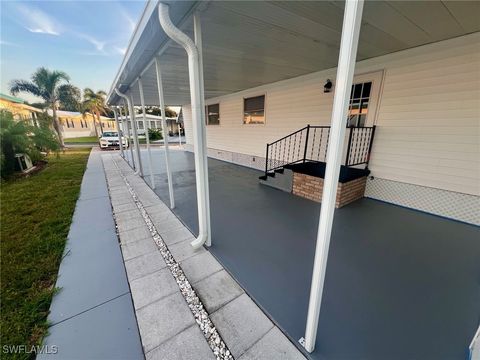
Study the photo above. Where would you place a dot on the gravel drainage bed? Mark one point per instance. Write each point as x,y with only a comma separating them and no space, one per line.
215,342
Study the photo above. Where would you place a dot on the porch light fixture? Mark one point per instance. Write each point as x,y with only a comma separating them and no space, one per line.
328,86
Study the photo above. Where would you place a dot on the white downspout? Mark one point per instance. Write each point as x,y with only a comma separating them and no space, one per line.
197,31
135,137
134,125
198,117
165,134
120,143
146,127
128,134
122,122
346,66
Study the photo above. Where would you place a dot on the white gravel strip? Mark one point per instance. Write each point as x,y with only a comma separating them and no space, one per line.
217,345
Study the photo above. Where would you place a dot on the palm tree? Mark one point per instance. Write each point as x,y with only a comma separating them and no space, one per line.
95,102
51,86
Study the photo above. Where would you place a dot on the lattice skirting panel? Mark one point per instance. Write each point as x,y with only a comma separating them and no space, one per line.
450,204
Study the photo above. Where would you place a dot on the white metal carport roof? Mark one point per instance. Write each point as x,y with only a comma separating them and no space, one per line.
247,44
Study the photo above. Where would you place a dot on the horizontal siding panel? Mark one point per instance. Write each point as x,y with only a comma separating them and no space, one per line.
418,128
418,121
427,98
449,140
425,107
459,114
468,86
454,158
392,174
460,168
395,145
447,81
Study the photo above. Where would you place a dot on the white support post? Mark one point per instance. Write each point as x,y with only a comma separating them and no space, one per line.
197,32
127,127
120,142
198,121
346,67
146,127
122,123
165,133
179,134
134,125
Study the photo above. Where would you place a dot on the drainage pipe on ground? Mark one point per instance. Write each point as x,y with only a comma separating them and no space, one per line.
147,135
131,111
120,143
165,133
198,122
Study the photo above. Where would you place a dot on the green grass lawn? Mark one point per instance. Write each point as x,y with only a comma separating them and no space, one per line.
36,213
81,140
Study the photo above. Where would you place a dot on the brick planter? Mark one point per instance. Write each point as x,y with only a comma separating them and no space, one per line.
311,187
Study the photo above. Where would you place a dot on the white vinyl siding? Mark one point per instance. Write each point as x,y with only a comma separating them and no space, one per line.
428,120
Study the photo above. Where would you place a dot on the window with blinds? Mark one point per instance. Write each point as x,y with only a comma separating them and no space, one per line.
213,114
254,110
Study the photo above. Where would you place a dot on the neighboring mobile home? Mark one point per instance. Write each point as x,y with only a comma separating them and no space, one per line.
19,108
282,87
154,122
75,124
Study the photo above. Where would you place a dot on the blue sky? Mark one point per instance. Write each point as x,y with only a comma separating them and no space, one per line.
86,39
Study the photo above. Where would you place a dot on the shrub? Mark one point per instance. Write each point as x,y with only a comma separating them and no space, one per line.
155,134
20,137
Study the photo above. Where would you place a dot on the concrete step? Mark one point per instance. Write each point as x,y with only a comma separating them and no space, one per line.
281,181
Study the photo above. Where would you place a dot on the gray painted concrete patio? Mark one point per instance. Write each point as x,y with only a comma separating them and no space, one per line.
400,284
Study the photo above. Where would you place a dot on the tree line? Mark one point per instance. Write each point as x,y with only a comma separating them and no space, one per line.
57,93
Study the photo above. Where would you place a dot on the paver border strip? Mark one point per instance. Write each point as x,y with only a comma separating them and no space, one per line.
202,318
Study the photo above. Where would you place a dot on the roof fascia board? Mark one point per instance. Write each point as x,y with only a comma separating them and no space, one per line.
150,7
146,15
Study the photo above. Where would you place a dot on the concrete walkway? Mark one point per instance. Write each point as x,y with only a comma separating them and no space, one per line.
92,316
158,256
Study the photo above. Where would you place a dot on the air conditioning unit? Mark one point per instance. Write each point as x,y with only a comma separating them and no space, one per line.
23,163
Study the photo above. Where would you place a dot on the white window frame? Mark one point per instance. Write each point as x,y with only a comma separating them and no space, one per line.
206,114
264,94
377,79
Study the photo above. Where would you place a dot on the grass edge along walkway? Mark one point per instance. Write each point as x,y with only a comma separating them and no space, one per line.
36,213
82,140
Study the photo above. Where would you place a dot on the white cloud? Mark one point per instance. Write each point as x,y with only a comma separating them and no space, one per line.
99,45
37,21
8,43
131,23
120,50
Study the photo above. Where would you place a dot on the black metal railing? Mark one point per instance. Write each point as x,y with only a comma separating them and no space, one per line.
311,143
